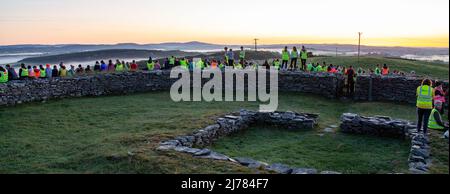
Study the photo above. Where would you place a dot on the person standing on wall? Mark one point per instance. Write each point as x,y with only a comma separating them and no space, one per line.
284,58
425,95
350,80
242,55
225,56
294,58
303,57
230,56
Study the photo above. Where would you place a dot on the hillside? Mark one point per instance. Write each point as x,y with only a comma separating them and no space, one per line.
105,55
423,68
195,45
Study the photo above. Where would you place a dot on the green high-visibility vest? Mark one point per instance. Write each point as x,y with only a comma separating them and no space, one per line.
304,54
294,54
360,70
377,71
309,67
432,124
119,67
4,77
318,68
150,66
200,64
183,64
276,64
242,55
285,55
425,97
43,73
172,61
238,66
24,72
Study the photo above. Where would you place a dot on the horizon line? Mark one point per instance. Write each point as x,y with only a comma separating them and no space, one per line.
218,44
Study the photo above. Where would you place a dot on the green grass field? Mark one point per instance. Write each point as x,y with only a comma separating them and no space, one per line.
423,68
119,134
323,151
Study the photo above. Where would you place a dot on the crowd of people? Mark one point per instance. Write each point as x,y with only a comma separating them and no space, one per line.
287,62
430,100
61,70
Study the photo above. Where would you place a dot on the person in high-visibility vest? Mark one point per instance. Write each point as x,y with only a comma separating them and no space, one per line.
435,121
425,95
310,67
3,75
200,64
303,57
184,63
172,60
277,64
150,65
385,70
23,71
120,67
43,73
284,58
318,68
221,65
239,65
294,58
242,54
63,71
377,70
225,56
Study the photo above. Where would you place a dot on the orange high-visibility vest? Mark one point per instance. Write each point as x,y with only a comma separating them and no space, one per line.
385,71
213,65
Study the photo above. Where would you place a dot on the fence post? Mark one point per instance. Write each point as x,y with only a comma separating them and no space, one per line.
370,88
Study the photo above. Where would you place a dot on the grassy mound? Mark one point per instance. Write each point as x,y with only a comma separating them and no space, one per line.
119,134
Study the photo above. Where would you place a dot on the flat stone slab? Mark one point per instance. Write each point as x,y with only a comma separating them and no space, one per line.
280,168
215,156
328,130
304,171
329,172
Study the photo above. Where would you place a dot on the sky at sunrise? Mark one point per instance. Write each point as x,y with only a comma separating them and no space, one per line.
383,22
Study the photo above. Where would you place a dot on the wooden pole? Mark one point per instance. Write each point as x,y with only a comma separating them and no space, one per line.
359,45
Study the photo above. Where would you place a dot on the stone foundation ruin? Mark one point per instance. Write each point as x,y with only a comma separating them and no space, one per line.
194,143
419,159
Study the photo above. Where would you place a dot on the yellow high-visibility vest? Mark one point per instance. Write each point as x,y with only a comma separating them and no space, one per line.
432,124
425,97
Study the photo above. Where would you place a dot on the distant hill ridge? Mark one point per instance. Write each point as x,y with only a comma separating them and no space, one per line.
121,54
196,45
